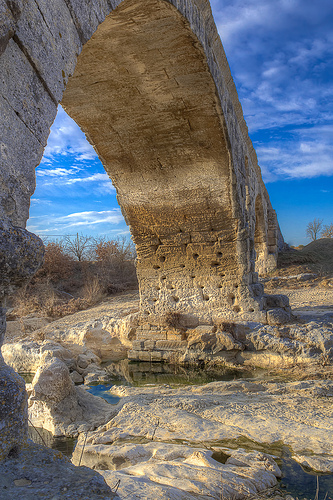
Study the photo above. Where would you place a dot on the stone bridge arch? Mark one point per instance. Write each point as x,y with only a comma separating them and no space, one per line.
150,85
153,92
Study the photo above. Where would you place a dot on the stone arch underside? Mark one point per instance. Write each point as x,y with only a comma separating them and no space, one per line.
165,119
143,93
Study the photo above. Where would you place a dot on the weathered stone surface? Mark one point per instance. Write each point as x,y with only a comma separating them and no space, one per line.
29,356
262,412
162,470
278,316
171,466
13,411
21,254
152,90
8,19
320,463
197,474
169,63
61,408
38,472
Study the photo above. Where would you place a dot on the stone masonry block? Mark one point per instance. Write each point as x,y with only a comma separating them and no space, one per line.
149,344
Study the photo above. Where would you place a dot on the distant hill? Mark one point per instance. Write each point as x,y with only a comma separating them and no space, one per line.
316,256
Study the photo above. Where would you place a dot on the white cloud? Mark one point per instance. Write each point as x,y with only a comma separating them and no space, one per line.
67,138
308,154
93,217
56,172
90,178
55,224
280,54
61,177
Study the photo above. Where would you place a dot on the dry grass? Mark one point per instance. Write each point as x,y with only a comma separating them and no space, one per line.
315,257
64,285
173,319
93,291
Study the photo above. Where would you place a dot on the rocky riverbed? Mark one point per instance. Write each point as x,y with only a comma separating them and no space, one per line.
185,442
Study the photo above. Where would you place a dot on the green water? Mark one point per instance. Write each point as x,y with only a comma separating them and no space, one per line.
43,437
27,377
143,373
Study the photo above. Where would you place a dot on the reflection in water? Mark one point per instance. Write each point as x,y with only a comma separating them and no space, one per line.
301,483
45,438
143,373
102,390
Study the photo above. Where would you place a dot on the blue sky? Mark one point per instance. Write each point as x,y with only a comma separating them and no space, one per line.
281,57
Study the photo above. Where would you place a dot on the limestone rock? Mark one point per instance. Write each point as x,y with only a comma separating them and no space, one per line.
39,472
276,301
320,463
76,377
162,470
243,458
278,316
22,357
58,406
13,410
95,374
21,254
28,356
265,413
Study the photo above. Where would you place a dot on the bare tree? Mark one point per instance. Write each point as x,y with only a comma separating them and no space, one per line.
77,246
313,229
327,231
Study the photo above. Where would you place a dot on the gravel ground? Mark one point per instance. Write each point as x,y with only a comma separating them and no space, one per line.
308,297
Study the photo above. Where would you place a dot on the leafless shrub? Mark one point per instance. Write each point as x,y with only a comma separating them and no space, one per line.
328,231
93,291
78,246
58,265
313,229
115,264
65,284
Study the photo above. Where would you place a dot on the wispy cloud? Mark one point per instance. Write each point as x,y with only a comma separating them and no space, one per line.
56,172
308,154
52,224
90,178
281,58
65,177
66,138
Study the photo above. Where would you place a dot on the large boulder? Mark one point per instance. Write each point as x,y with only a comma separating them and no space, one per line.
60,407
